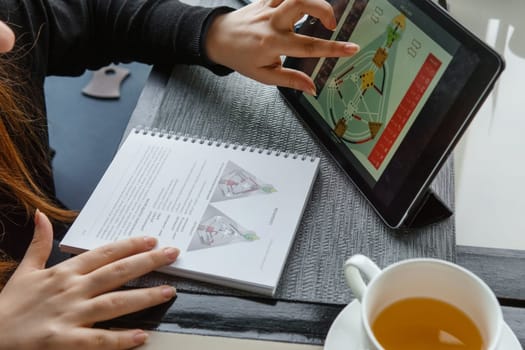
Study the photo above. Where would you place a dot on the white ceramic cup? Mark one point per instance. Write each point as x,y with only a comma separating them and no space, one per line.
425,278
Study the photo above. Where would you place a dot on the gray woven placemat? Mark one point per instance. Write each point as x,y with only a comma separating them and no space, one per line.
337,223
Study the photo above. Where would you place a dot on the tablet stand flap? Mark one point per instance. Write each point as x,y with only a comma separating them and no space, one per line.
430,210
443,4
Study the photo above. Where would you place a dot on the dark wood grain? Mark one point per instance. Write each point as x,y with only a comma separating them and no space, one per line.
254,318
502,269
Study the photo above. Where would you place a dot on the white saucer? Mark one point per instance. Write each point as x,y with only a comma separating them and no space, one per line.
345,332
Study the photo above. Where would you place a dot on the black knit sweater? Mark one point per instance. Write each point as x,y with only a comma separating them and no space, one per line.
66,37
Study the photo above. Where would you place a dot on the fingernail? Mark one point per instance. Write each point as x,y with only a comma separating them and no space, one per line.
310,91
333,23
171,253
168,292
36,218
351,47
140,337
150,241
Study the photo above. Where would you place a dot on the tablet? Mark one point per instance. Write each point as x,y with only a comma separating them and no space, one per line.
391,114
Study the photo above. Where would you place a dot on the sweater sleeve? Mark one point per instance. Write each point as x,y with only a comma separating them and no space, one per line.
66,37
73,35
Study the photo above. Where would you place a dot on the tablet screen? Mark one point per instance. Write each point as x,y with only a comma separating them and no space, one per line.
390,113
371,100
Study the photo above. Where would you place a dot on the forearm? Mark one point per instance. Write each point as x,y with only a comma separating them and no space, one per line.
67,37
149,31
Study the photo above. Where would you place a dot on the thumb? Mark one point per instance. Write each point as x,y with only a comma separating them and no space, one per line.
40,247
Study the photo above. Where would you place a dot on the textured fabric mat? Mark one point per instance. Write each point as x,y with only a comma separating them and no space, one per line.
337,222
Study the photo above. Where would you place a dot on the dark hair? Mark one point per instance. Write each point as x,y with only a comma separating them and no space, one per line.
17,121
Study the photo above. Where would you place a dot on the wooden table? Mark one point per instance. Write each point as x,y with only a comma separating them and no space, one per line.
302,322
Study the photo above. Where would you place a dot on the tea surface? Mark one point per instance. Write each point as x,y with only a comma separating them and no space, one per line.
424,323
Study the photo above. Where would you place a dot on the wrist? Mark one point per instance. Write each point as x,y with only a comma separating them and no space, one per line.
211,46
212,39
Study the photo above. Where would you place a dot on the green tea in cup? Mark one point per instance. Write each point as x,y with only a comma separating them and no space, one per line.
425,323
423,304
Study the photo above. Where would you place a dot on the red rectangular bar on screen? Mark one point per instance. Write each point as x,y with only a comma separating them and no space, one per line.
405,109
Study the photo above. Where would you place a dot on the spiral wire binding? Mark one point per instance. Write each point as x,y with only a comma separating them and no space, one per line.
170,134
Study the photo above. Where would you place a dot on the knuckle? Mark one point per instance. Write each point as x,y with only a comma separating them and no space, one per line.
309,47
96,341
137,241
292,83
120,268
266,41
100,305
120,343
59,274
49,337
326,7
81,342
156,258
335,46
297,3
106,304
152,295
156,294
99,340
107,251
117,301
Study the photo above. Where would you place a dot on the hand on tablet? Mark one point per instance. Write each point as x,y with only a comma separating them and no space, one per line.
252,39
54,308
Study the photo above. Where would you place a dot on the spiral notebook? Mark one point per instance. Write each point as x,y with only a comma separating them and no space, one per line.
232,210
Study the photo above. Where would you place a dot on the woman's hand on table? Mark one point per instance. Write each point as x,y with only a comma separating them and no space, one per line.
54,308
252,39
